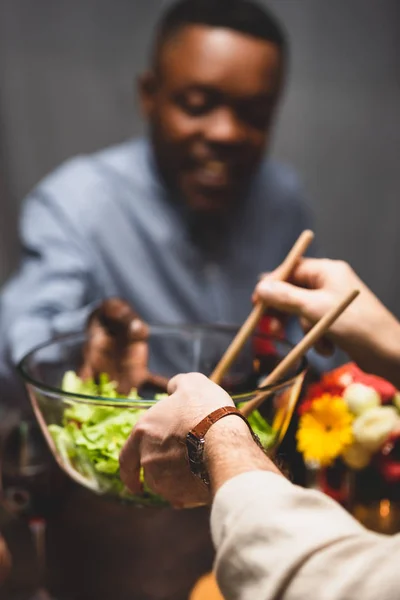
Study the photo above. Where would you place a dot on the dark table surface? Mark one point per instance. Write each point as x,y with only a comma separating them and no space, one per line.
102,550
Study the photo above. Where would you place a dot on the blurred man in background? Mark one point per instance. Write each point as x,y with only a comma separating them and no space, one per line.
180,224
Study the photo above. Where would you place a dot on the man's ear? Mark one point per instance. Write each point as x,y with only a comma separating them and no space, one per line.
147,90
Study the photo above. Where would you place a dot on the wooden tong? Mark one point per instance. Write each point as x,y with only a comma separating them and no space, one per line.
282,273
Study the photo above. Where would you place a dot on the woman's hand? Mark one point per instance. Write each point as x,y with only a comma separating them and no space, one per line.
367,331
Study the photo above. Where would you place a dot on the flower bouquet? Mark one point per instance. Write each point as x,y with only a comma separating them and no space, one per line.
349,437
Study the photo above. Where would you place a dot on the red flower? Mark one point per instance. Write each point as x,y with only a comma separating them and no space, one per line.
351,373
342,376
305,406
316,390
335,382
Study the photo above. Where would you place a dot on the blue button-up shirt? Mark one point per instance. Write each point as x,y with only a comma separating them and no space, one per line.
104,225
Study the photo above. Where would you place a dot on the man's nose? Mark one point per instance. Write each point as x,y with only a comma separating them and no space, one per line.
225,128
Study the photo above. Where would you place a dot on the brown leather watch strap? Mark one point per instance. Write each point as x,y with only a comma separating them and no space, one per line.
195,440
201,429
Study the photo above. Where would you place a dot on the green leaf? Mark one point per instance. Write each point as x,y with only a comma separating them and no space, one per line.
262,428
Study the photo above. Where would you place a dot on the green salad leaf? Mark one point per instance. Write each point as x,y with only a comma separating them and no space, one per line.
263,429
91,437
88,387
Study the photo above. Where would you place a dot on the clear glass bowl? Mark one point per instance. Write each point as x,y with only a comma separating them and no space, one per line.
86,433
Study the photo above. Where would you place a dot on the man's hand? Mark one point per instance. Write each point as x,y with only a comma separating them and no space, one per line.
118,345
367,331
158,444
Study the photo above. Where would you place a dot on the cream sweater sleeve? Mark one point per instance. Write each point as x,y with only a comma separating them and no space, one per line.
275,540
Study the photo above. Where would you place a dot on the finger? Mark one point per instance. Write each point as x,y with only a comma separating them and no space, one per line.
177,485
158,381
187,381
86,371
276,274
311,272
129,462
178,492
264,275
261,277
173,384
283,296
138,330
308,273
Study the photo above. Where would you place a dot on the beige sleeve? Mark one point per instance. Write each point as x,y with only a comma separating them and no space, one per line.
275,540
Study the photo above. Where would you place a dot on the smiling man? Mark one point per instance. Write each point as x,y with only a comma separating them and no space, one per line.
182,222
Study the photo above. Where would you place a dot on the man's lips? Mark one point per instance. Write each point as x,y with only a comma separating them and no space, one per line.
213,174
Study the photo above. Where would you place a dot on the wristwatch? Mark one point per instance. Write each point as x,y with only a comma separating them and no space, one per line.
195,441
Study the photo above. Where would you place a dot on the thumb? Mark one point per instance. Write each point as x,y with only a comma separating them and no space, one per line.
285,297
129,461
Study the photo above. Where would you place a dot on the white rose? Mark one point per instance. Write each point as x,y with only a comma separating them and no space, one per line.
356,456
372,428
360,397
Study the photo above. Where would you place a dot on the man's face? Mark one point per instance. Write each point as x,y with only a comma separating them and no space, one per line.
210,110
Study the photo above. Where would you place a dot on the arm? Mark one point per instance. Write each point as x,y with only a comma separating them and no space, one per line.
54,288
275,540
367,331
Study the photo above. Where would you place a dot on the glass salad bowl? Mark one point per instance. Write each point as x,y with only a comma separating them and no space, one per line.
86,422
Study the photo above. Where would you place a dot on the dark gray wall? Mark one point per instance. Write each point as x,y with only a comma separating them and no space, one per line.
66,78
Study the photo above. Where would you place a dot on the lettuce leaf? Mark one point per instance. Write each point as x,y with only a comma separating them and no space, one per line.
263,429
91,437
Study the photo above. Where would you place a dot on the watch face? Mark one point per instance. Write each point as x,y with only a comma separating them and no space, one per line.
195,450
